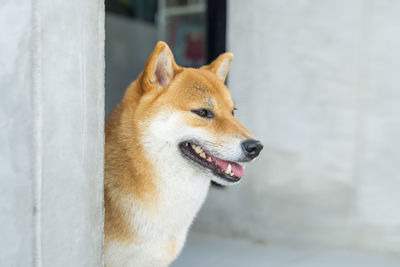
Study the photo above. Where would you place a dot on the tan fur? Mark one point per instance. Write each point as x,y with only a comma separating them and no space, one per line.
172,249
129,172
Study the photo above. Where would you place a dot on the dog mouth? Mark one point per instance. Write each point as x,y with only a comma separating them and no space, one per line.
227,170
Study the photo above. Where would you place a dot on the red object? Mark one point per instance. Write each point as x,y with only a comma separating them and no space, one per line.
194,47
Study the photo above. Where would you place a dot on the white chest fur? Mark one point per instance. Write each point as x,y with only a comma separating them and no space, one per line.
161,230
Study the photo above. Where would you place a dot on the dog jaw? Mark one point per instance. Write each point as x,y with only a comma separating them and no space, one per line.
164,136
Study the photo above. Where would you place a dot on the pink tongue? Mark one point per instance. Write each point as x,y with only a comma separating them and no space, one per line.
235,168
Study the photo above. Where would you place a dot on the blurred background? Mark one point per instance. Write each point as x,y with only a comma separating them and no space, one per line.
195,31
318,83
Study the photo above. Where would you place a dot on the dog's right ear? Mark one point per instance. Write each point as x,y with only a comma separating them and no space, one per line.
220,66
160,68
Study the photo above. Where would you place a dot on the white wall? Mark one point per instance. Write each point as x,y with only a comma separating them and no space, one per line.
51,132
318,83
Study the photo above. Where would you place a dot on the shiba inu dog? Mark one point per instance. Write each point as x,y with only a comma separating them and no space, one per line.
173,132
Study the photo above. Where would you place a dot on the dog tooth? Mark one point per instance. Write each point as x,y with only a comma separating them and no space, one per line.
228,169
203,155
209,159
231,174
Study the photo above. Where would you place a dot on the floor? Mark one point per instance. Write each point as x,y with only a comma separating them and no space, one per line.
210,251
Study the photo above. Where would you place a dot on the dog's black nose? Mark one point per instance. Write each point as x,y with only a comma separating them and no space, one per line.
252,148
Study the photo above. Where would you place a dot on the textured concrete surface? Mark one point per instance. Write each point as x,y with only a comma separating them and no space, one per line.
213,251
51,138
16,128
317,82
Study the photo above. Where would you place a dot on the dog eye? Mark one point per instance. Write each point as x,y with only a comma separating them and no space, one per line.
205,113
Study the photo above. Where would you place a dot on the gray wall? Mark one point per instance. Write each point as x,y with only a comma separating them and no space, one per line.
318,83
51,137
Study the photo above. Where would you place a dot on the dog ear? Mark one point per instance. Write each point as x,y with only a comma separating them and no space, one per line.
160,68
220,66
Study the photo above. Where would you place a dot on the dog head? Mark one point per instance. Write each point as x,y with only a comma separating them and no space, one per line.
188,115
